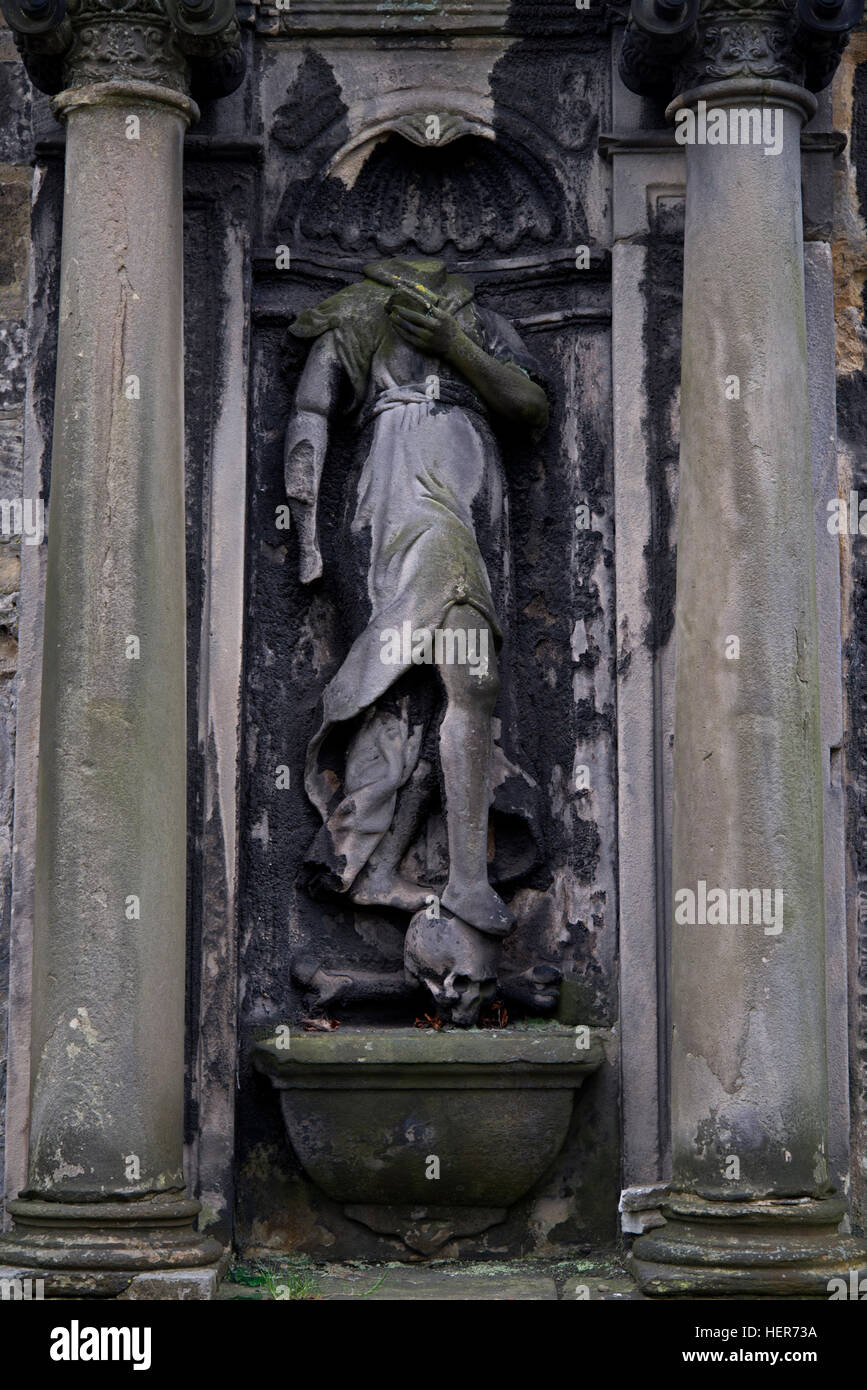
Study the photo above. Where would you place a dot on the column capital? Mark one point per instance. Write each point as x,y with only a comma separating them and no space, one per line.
672,46
189,46
730,91
124,92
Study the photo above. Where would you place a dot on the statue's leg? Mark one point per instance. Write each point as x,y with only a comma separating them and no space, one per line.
380,884
465,755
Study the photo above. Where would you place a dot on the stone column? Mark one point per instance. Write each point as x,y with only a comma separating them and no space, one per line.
105,1199
750,1212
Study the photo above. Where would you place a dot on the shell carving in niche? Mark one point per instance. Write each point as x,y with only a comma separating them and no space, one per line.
471,193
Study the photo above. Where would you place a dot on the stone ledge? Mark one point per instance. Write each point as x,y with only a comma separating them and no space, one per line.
452,1058
599,1278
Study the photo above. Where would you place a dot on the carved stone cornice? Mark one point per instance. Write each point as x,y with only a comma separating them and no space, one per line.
669,48
190,46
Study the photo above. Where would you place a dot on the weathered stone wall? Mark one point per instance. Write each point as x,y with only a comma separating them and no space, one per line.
850,267
15,182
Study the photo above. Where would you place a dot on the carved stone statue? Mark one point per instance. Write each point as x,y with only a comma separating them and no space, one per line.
408,722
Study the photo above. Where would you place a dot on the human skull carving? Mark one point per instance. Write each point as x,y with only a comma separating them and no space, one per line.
455,962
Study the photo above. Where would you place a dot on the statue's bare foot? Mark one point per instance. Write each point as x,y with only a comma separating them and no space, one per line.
480,906
388,889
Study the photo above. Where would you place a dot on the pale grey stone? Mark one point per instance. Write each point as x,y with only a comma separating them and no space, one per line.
162,1285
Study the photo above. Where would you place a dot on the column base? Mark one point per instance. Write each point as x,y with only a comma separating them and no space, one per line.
765,1248
111,1249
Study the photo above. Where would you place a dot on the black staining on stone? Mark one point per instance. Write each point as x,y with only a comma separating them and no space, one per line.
555,587
552,84
852,430
586,844
313,108
710,1146
547,97
294,640
556,19
217,200
311,127
663,291
858,137
208,911
321,873
467,194
203,306
718,1142
16,138
46,217
217,75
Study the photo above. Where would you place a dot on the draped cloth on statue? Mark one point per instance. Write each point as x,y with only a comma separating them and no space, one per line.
431,512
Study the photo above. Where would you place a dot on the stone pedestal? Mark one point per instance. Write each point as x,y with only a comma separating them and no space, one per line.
751,1211
429,1135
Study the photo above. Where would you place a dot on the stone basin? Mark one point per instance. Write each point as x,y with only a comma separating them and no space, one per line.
431,1133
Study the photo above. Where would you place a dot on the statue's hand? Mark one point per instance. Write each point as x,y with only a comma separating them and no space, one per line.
428,328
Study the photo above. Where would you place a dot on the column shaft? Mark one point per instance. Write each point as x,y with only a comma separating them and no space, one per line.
751,1212
105,1199
108,1004
748,1047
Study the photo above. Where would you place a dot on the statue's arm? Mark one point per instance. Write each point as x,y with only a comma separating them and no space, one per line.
507,390
307,445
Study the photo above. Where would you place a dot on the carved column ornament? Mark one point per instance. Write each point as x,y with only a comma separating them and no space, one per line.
192,46
670,47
